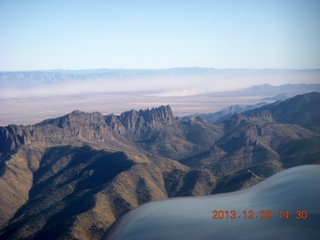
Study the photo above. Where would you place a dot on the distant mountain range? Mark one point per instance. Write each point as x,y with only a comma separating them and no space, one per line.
35,78
73,176
284,87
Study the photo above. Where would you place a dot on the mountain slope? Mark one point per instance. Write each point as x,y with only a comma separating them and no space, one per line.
302,110
77,192
270,137
224,114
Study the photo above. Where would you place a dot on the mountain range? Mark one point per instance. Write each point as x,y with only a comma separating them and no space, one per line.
73,176
51,77
284,87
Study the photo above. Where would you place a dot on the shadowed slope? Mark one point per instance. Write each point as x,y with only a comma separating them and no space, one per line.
78,192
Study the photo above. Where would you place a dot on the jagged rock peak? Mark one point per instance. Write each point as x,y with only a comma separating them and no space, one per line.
200,119
131,119
162,113
11,137
265,115
134,119
236,119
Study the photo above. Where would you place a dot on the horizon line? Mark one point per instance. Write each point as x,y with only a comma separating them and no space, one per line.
159,69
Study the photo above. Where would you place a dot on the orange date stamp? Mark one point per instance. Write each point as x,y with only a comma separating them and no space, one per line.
262,214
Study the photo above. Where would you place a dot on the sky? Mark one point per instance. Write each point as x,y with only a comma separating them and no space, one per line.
151,34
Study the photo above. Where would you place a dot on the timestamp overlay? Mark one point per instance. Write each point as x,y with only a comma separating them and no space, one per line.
260,215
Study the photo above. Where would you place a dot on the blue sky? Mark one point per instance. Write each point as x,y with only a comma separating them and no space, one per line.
45,35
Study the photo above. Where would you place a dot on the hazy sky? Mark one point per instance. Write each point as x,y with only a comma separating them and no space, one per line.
66,34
